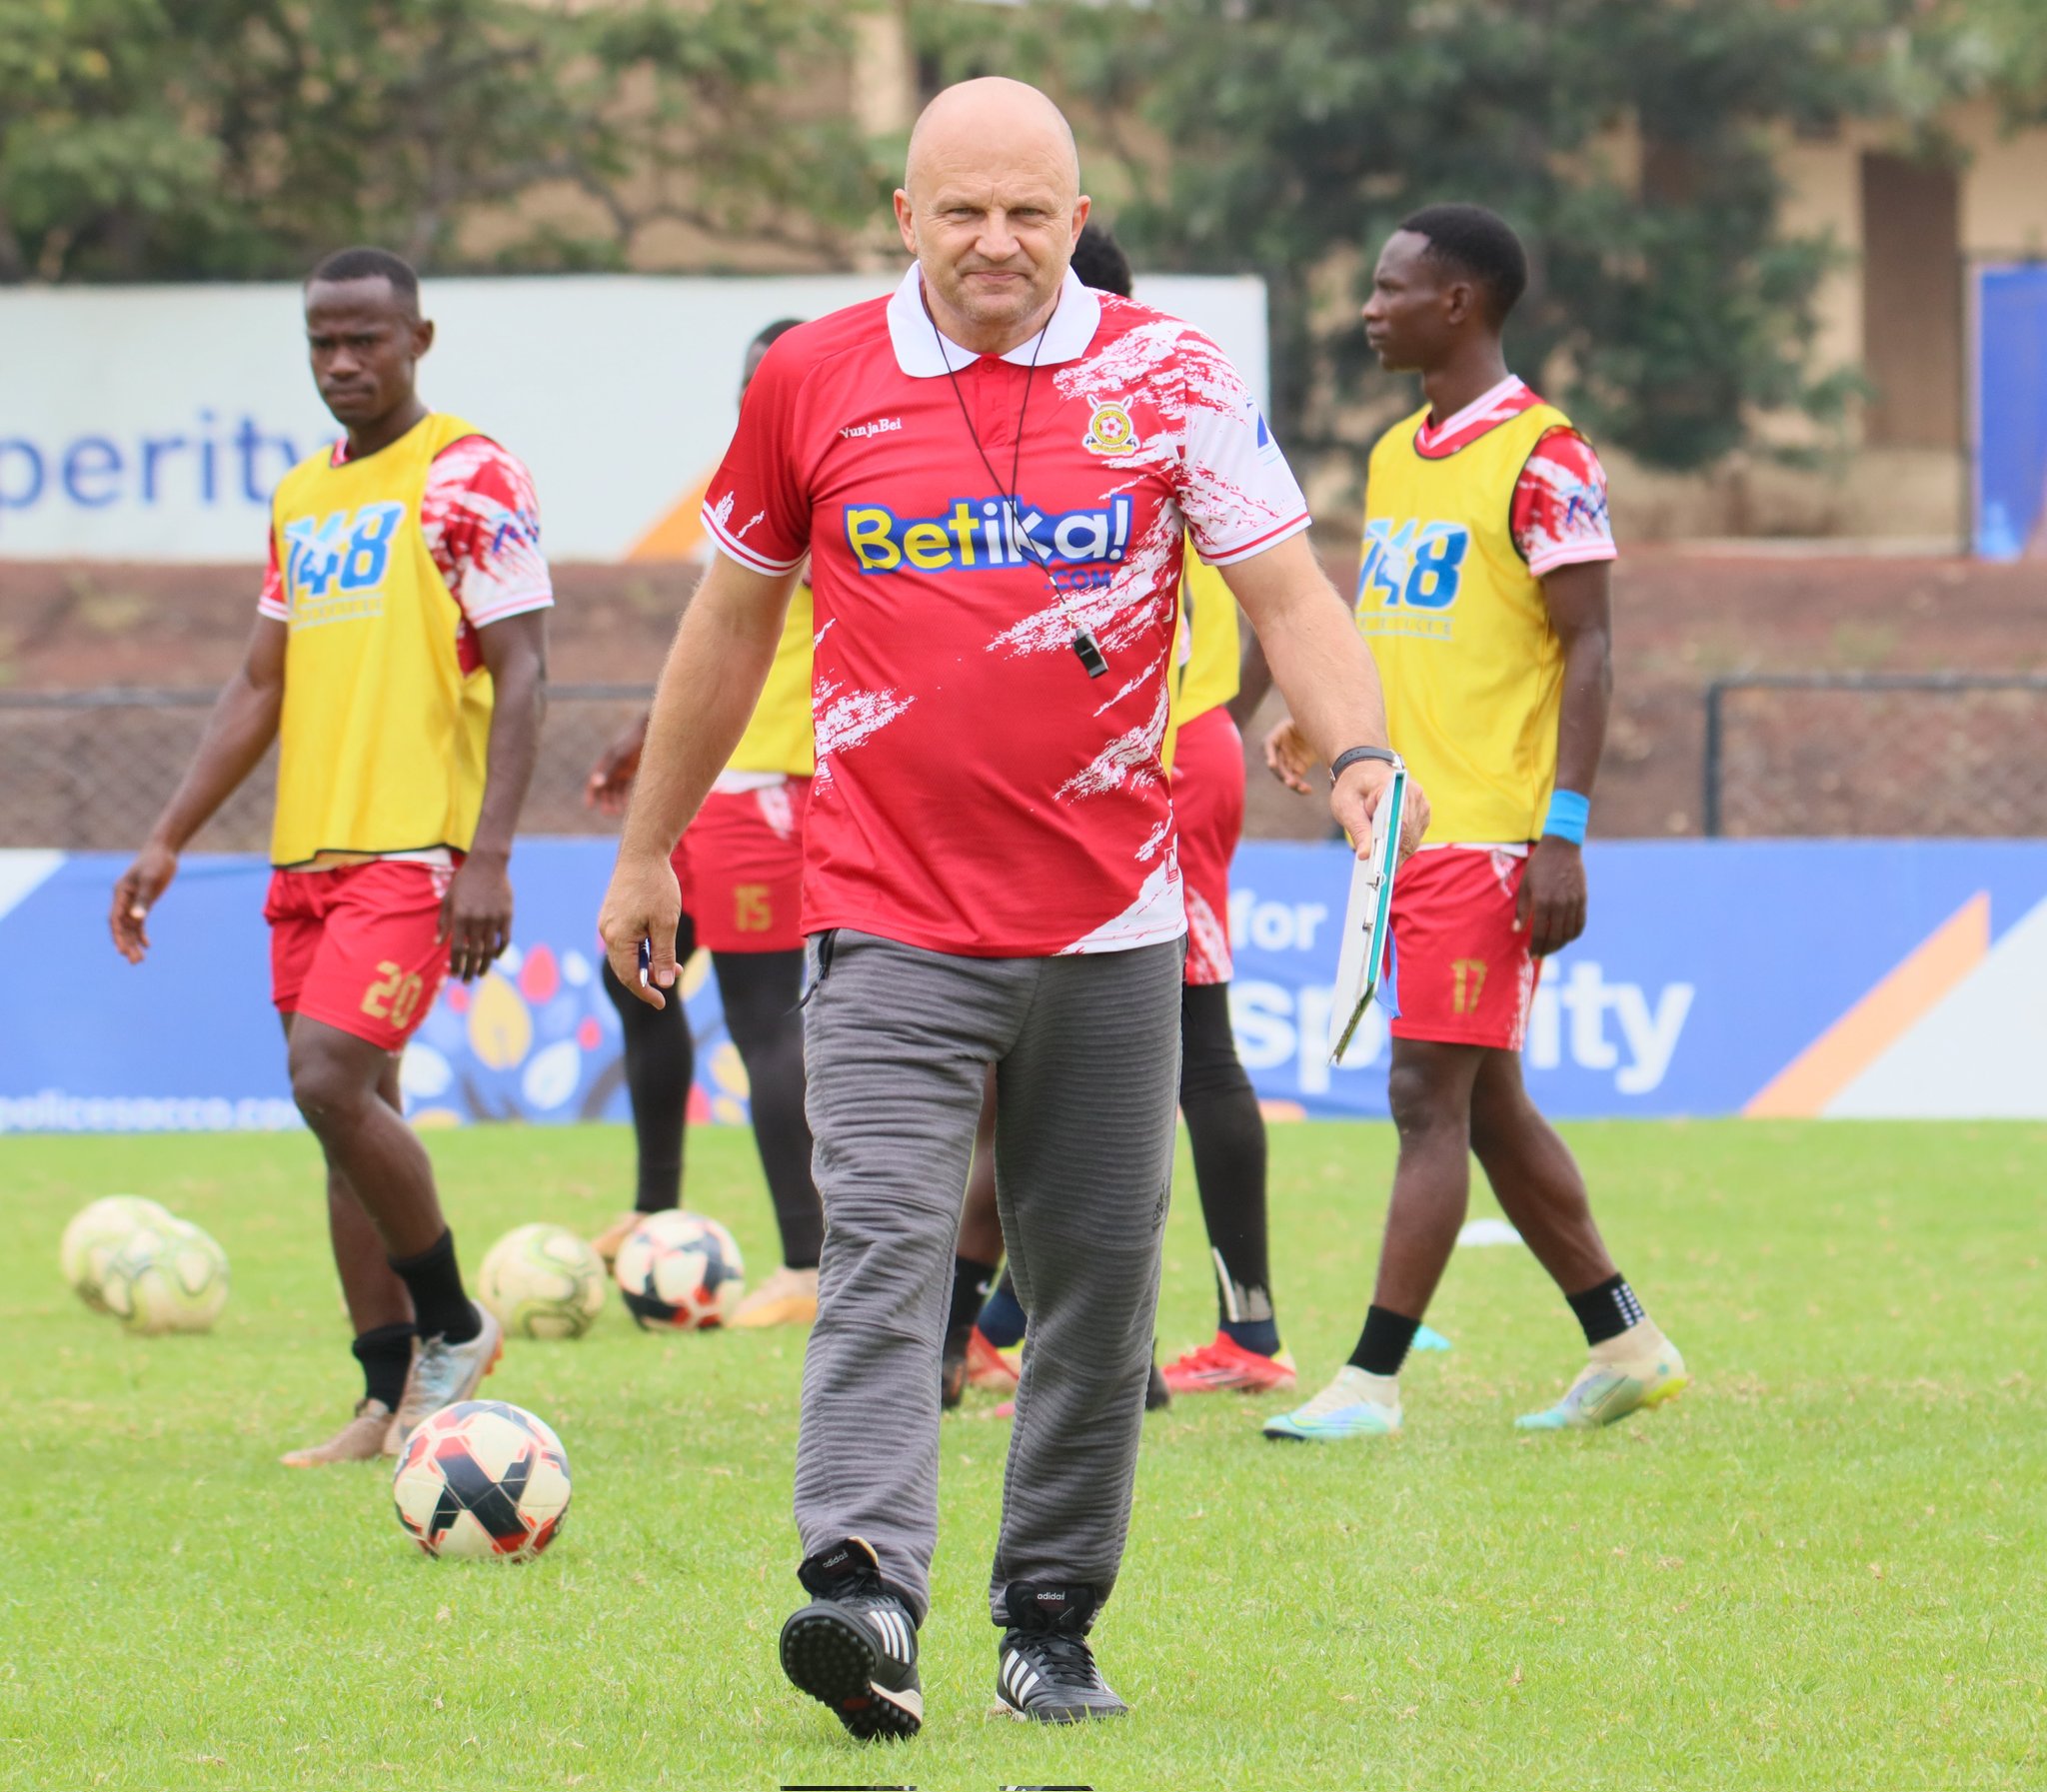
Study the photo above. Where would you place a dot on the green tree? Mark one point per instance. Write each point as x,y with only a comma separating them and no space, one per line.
1630,141
152,139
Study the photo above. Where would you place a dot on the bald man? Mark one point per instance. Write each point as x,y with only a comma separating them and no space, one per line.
992,471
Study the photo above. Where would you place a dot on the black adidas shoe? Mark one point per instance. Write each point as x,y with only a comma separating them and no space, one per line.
1044,1670
855,1646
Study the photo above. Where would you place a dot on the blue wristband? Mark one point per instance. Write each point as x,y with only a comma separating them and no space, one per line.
1568,814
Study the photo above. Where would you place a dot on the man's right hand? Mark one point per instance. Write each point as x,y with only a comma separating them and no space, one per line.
1288,757
643,903
612,777
136,894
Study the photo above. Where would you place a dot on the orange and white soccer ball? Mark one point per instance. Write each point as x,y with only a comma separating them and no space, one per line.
482,1478
680,1272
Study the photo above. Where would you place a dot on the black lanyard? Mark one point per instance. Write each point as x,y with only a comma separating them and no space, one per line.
1084,644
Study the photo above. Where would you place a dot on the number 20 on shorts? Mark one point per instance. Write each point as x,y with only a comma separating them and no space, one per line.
394,996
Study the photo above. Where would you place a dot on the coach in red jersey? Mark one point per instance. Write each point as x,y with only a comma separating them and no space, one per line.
991,472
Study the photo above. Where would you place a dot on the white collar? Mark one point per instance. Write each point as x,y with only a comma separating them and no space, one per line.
915,338
1508,388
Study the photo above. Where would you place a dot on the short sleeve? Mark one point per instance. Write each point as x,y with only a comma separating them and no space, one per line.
756,509
481,517
273,603
1559,516
1236,490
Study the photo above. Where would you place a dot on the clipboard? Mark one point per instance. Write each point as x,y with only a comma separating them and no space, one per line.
1365,915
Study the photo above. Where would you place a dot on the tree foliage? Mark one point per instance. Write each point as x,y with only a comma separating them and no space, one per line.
230,138
1630,141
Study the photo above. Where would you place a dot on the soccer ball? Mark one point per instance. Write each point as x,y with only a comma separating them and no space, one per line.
543,1281
167,1276
680,1272
96,1232
482,1478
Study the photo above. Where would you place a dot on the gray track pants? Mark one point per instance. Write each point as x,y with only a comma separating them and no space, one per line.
896,1040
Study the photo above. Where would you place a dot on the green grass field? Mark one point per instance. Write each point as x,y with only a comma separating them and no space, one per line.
1822,1567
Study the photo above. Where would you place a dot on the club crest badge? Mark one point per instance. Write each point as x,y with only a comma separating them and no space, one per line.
1109,430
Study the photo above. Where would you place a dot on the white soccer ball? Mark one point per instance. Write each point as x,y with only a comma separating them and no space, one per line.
482,1478
680,1272
166,1276
96,1232
541,1281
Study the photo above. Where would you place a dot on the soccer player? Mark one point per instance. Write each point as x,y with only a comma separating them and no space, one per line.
739,867
400,661
990,473
1484,596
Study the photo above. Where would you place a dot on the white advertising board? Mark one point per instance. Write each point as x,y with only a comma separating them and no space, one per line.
150,423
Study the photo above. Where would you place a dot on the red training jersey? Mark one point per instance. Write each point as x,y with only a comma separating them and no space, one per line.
977,792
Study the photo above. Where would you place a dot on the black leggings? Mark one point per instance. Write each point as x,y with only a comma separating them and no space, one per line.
1227,1133
760,992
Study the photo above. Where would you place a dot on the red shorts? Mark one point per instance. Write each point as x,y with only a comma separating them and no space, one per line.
741,867
1207,813
1464,972
355,947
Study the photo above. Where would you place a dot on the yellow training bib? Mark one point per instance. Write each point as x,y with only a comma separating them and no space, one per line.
383,738
1204,630
780,736
1472,669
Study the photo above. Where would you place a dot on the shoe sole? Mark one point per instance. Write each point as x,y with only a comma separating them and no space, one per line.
1064,1714
1661,1396
1321,1436
782,1314
829,1656
1232,1387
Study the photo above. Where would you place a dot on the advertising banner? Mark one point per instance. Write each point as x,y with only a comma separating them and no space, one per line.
151,423
2010,393
1868,978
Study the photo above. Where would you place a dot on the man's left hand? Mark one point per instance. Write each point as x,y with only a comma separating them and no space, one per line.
475,914
1358,797
1551,901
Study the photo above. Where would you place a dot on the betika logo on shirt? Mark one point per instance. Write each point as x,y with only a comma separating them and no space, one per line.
1411,577
1081,547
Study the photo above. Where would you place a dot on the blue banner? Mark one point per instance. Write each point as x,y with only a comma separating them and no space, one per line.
2011,411
1716,977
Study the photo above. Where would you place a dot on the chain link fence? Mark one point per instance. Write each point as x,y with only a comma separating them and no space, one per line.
1809,755
1887,753
88,770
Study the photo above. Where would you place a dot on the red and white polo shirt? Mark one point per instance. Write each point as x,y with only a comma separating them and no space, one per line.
977,792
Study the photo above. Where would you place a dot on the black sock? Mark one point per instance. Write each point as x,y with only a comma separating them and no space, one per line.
661,1061
759,993
1227,1135
435,1281
386,1356
970,1283
1607,1310
1002,1320
1384,1344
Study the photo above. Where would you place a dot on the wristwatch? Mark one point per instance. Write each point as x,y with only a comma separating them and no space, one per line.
1351,755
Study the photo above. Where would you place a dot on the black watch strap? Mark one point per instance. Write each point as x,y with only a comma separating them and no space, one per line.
1351,755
